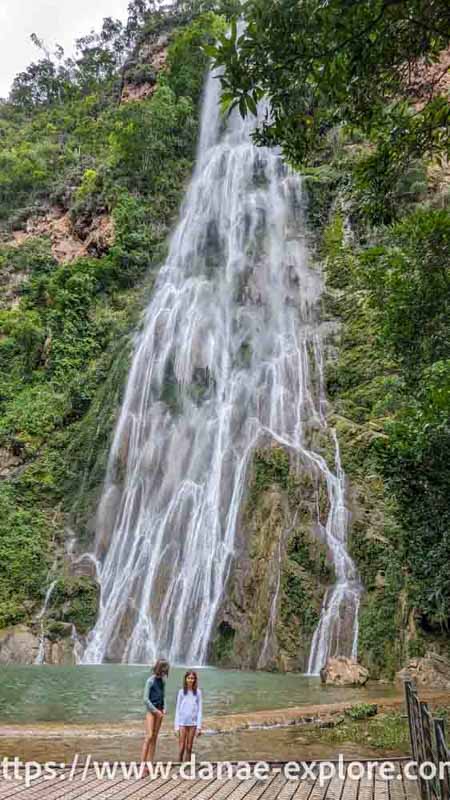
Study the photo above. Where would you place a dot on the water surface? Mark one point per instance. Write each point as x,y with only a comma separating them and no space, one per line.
113,693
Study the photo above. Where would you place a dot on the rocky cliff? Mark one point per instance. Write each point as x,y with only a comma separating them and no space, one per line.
281,570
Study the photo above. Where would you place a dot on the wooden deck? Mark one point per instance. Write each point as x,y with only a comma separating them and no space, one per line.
86,785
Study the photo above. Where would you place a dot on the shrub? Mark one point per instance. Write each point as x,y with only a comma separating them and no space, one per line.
361,711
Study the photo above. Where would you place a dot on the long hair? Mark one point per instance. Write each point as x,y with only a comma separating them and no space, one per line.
194,686
161,668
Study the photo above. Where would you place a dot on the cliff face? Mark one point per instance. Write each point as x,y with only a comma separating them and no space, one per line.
281,569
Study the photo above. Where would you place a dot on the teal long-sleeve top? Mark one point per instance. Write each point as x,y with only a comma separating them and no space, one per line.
154,691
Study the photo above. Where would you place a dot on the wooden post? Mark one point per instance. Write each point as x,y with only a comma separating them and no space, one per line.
443,759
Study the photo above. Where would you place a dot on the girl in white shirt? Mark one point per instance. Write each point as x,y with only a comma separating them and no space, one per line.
188,714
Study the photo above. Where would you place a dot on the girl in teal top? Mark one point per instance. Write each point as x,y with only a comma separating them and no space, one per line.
154,701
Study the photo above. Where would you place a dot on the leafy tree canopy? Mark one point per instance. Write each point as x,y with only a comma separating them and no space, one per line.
358,63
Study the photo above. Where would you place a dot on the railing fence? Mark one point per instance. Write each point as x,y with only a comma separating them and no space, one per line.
428,744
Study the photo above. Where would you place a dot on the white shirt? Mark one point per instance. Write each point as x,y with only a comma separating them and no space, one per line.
189,709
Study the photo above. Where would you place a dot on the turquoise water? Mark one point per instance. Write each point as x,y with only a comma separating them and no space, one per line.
113,693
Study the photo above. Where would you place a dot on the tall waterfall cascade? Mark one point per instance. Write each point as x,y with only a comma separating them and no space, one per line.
229,358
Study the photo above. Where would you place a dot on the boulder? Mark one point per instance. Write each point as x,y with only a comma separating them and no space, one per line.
341,671
18,645
432,671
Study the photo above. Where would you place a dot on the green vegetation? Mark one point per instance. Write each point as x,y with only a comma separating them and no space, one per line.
359,103
73,600
24,536
271,466
67,142
306,570
298,604
387,732
221,651
340,67
361,711
388,388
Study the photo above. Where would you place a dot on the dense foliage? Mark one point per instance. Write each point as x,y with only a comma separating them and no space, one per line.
324,64
389,388
355,66
67,143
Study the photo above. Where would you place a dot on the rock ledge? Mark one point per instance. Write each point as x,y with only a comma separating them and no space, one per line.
431,671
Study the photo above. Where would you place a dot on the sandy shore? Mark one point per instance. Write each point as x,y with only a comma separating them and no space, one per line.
267,734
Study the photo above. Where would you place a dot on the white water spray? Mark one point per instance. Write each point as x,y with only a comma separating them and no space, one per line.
40,657
229,358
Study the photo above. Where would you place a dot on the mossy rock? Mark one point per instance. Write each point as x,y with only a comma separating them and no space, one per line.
222,646
55,630
75,600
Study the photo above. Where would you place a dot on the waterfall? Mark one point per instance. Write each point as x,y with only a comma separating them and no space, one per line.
40,657
229,358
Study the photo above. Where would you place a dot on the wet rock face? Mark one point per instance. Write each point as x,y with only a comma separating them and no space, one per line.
59,652
18,645
343,671
21,644
431,672
281,570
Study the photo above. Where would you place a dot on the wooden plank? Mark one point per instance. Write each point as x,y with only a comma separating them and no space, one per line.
381,785
366,785
395,786
274,786
240,789
277,787
17,787
173,789
91,788
78,788
288,790
320,789
143,787
13,787
350,789
38,789
231,789
335,787
410,786
304,789
263,788
160,788
74,789
212,789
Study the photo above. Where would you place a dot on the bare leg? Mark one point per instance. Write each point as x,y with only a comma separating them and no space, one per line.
152,726
191,731
148,735
152,745
182,742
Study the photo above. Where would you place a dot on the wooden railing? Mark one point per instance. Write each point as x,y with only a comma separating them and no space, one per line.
428,744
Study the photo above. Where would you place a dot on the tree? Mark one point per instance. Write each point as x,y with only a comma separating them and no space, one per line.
42,83
359,63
